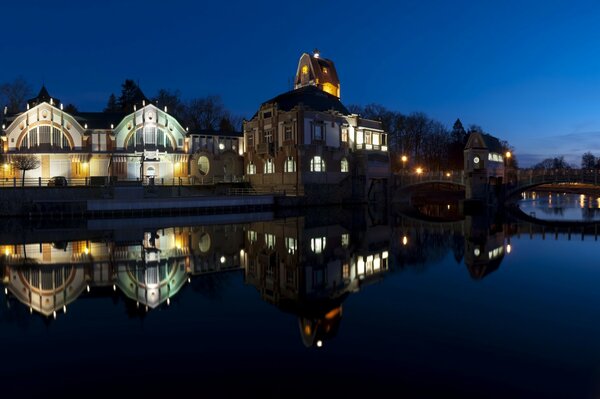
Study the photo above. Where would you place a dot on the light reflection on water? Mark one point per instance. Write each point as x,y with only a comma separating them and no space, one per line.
561,206
485,306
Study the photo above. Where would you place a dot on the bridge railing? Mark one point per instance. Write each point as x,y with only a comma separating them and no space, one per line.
409,178
525,177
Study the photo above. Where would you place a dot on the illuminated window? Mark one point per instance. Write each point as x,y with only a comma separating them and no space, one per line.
368,137
325,70
345,271
289,165
345,240
344,165
376,140
251,169
360,138
345,135
291,244
203,165
304,69
317,245
204,242
317,164
252,236
269,166
270,240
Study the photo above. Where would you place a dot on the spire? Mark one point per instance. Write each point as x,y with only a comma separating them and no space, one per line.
43,97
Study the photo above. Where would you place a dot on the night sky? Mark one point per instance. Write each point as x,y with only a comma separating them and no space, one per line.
528,72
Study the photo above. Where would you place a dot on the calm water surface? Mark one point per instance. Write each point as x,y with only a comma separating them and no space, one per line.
335,302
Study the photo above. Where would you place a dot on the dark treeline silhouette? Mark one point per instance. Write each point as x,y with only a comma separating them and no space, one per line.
556,163
200,113
425,142
588,161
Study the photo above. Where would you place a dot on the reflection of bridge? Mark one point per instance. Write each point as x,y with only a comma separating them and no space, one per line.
406,180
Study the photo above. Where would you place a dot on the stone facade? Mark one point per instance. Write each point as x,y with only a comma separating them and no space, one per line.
306,139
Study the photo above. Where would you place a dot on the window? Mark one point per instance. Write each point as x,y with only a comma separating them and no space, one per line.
344,167
45,134
150,135
252,236
376,140
318,131
179,142
268,136
270,241
139,139
360,137
290,165
345,240
251,169
267,114
317,164
368,137
269,166
291,244
203,165
317,245
304,69
345,135
288,135
250,140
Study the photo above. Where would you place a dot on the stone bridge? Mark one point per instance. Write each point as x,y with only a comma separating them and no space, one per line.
515,182
525,179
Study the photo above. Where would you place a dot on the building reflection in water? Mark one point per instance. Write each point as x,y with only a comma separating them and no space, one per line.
305,265
149,270
310,270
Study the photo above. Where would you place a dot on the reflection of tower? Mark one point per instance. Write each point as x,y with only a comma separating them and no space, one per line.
310,271
484,245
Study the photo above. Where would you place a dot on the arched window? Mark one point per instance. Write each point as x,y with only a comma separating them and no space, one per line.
149,136
290,165
251,169
344,165
317,164
203,165
46,136
269,166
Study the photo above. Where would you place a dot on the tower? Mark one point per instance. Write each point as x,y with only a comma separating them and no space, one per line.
313,70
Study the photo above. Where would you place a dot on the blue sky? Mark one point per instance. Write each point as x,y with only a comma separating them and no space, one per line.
526,71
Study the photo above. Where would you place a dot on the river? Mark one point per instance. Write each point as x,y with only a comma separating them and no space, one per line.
359,302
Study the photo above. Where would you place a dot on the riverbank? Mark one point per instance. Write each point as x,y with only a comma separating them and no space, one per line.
569,188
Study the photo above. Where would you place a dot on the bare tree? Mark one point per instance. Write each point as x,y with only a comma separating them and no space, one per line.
14,95
25,162
588,161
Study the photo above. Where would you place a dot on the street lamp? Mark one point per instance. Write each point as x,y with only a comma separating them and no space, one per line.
508,155
419,170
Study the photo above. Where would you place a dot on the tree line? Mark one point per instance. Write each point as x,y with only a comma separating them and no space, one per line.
199,113
424,141
588,161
